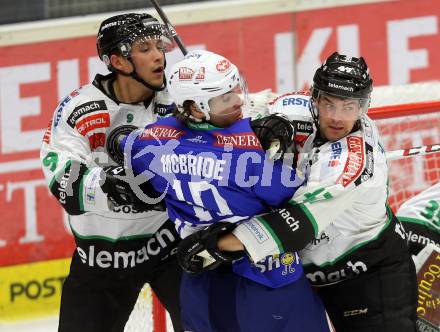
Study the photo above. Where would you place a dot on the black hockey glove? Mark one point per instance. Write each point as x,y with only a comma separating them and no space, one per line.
275,133
199,252
119,192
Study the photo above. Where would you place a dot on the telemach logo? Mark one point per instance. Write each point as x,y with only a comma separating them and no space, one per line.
84,109
320,277
340,87
290,220
62,195
124,259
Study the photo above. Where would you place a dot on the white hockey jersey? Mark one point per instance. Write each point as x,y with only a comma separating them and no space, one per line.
82,132
345,199
420,217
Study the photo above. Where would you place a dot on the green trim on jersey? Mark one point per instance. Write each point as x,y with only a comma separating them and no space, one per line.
424,223
81,190
308,214
54,178
272,233
359,245
108,239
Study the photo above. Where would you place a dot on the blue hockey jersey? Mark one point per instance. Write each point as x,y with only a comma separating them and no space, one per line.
212,174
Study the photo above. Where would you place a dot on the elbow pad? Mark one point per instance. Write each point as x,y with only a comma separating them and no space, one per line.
285,229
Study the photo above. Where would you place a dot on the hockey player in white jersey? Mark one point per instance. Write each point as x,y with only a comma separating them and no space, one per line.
353,247
420,216
121,243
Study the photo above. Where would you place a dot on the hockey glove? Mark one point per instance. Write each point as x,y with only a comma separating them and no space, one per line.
199,252
275,133
119,192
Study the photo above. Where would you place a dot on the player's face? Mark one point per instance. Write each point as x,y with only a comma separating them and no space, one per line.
226,109
337,116
149,59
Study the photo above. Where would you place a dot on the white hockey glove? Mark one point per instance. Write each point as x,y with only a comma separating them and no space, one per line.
259,104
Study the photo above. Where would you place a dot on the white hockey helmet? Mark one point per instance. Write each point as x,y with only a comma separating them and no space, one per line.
296,107
201,76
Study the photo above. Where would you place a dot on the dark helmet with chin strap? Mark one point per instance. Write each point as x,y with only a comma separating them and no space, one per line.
344,77
117,34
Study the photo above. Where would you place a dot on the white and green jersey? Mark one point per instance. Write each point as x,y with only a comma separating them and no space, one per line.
420,217
342,205
78,143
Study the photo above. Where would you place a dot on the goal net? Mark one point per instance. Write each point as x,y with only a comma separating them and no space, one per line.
407,117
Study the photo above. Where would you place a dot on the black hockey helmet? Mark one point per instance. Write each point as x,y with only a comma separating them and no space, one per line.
345,77
116,34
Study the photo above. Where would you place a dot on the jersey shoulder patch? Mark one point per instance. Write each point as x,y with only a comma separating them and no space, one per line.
347,161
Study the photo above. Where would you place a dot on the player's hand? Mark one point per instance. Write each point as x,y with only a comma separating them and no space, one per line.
199,251
119,192
275,133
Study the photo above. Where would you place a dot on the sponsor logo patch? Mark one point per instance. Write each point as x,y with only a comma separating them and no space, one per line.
242,141
335,154
223,65
355,160
96,140
59,111
104,259
84,109
92,122
47,133
161,132
185,73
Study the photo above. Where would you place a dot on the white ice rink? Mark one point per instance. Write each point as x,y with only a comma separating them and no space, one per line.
49,324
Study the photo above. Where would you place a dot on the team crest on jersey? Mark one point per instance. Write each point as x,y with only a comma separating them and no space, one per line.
114,138
355,160
242,141
161,132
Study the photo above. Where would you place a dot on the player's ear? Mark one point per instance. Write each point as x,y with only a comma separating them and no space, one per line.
195,112
120,63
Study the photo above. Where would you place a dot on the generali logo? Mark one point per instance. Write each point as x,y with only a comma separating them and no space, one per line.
161,132
242,141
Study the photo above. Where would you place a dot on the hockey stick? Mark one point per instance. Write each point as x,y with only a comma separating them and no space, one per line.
417,150
170,27
390,155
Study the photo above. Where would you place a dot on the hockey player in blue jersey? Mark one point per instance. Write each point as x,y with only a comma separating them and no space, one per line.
212,168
